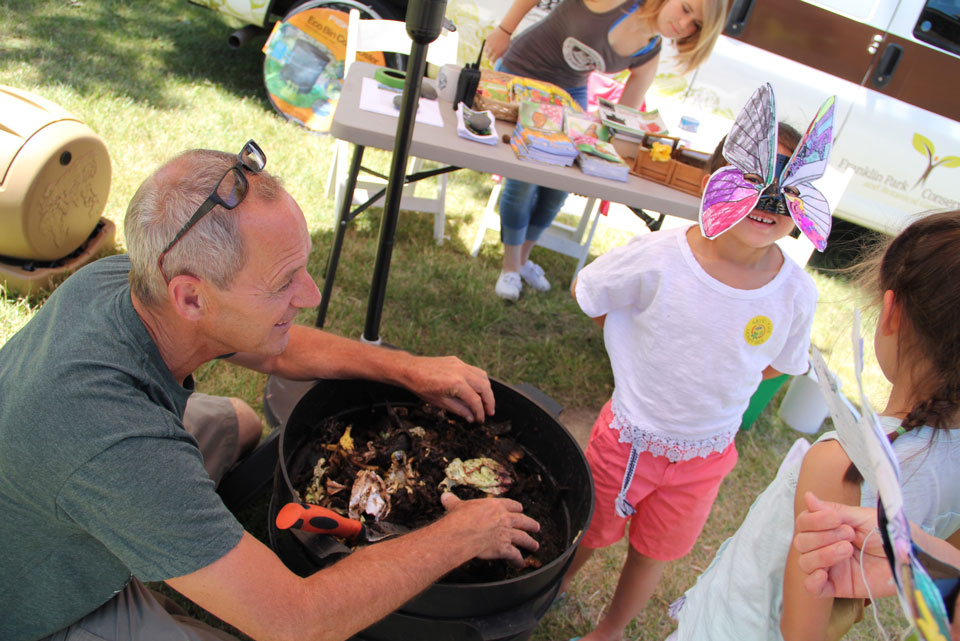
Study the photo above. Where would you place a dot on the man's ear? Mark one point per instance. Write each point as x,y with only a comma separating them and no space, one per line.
186,296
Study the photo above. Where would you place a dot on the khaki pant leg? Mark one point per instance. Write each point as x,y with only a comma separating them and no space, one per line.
139,614
213,422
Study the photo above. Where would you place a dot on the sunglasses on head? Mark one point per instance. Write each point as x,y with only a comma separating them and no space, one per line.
229,192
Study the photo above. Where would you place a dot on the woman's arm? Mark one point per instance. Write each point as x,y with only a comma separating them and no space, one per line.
639,82
498,41
806,617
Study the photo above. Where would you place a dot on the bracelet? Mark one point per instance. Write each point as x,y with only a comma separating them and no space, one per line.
500,27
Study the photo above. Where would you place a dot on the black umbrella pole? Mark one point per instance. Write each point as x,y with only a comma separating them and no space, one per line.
388,225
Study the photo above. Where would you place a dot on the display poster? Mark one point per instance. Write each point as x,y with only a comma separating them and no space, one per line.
303,66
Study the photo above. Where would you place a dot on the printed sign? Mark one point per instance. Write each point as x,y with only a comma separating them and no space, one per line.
303,68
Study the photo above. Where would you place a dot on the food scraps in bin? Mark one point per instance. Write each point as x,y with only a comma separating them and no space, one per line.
398,460
483,473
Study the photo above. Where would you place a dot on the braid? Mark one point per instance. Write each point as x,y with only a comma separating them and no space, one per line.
936,411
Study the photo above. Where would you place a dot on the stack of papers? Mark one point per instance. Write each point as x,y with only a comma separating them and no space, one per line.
550,147
596,155
604,162
540,115
630,124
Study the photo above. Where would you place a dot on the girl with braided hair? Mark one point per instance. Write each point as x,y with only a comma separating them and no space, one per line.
754,588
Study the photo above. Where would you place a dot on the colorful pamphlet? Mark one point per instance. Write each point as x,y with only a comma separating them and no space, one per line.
550,147
537,91
630,124
584,125
541,115
494,89
600,164
596,155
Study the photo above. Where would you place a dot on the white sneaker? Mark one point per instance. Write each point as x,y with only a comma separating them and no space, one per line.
509,285
533,274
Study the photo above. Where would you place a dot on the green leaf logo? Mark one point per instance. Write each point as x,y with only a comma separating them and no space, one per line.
923,144
926,147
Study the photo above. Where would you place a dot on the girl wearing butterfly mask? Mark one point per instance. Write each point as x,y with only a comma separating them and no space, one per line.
755,586
693,320
574,39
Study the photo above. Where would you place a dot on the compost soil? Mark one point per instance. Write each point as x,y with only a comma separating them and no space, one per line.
430,439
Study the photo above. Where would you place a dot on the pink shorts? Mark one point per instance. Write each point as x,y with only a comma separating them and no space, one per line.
672,500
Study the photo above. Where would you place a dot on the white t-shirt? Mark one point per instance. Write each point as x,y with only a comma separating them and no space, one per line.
688,351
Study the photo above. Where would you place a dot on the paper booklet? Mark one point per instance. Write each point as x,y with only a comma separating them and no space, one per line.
551,147
630,124
596,155
540,115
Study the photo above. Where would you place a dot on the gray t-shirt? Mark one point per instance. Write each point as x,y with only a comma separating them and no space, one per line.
571,42
98,479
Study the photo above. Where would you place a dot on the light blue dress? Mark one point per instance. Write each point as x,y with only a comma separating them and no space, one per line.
739,597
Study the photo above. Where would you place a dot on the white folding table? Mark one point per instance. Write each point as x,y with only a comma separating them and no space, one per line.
443,145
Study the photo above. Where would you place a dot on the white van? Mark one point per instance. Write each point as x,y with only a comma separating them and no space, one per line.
895,69
894,66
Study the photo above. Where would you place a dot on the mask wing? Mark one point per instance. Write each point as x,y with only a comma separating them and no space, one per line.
809,207
751,149
727,199
751,145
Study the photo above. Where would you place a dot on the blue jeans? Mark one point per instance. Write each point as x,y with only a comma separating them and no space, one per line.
526,210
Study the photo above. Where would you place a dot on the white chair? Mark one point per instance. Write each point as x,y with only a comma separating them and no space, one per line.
389,36
559,237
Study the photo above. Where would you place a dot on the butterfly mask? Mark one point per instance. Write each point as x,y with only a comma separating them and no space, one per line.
755,179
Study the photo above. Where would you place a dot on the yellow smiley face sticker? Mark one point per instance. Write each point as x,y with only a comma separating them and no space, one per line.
758,330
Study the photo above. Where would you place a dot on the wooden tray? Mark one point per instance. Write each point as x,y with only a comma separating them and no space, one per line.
684,171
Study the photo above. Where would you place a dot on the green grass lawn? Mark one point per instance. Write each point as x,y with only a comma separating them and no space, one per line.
154,78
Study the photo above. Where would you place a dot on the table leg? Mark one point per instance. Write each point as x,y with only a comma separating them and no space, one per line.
343,218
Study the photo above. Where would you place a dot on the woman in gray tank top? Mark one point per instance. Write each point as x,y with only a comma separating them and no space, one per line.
574,39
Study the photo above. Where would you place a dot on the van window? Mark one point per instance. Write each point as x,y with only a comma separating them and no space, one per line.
939,25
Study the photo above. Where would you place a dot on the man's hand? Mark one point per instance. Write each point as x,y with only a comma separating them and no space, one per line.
499,524
830,538
451,384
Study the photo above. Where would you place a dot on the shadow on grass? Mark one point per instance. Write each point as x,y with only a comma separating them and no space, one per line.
130,49
440,301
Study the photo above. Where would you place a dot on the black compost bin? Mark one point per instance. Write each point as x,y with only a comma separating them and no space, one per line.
447,610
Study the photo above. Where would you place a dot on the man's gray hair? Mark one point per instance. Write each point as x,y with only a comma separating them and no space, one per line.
213,249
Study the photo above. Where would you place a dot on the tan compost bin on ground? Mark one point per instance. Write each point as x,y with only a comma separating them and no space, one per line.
54,181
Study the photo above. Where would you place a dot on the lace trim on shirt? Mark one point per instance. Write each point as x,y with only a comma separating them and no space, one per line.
674,449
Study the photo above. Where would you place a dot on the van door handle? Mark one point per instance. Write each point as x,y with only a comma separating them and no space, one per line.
739,14
889,60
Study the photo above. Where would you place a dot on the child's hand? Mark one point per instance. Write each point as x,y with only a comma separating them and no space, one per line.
497,44
830,537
